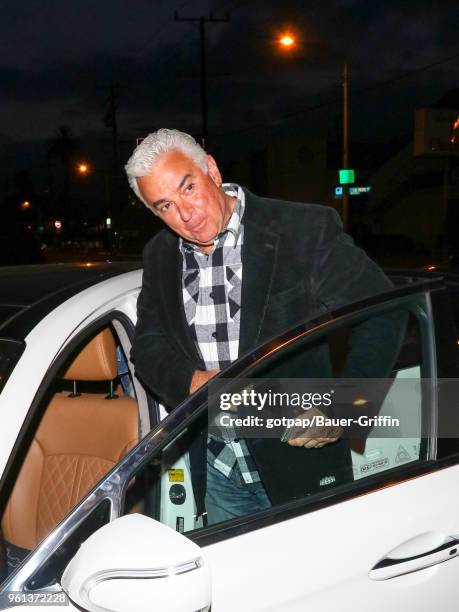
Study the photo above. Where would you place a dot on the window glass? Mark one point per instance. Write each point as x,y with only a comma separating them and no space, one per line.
51,571
383,360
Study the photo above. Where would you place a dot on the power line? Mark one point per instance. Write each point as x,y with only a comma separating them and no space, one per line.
167,24
336,100
409,74
378,85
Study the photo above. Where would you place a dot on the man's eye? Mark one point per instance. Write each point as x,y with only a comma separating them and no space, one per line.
189,188
165,207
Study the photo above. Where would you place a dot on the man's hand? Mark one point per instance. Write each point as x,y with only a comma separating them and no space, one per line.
312,442
200,378
314,436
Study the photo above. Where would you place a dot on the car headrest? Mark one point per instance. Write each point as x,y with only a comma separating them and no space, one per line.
97,361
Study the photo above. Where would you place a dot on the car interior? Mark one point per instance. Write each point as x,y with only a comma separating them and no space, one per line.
87,427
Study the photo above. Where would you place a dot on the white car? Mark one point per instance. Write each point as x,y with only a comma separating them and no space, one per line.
97,509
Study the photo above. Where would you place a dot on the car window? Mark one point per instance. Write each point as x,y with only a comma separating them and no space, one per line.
89,421
388,379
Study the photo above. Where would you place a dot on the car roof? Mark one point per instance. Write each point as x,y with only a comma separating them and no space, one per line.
29,293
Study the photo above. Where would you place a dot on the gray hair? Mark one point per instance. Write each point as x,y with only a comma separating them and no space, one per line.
154,146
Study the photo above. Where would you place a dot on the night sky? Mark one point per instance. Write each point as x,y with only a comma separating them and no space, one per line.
58,59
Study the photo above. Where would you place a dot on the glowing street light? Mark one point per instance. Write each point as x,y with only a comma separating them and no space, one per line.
287,40
83,168
25,205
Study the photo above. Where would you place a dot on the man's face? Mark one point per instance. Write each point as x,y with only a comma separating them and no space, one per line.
187,199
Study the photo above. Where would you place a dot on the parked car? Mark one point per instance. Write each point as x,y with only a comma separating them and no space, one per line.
97,508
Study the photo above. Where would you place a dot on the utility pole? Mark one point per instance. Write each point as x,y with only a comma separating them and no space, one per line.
346,143
202,35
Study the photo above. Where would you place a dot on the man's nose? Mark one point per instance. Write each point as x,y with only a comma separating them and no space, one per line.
185,210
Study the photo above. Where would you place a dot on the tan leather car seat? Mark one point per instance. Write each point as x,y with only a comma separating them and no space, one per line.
78,440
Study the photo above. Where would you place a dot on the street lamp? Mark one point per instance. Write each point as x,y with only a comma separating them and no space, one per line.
83,168
286,42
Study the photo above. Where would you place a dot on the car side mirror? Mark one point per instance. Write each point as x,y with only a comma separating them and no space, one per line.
137,563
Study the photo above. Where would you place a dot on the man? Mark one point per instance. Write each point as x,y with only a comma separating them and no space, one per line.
229,271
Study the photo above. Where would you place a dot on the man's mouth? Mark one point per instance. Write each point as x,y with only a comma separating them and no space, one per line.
198,226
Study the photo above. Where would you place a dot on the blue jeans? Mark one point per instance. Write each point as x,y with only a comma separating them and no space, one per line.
227,498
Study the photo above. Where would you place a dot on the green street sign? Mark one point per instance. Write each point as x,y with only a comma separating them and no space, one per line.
346,177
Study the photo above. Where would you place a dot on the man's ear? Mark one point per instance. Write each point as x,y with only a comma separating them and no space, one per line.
214,172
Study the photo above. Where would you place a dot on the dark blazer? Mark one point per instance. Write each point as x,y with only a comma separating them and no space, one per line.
297,262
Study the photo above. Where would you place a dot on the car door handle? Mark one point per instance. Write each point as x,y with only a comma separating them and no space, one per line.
390,567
